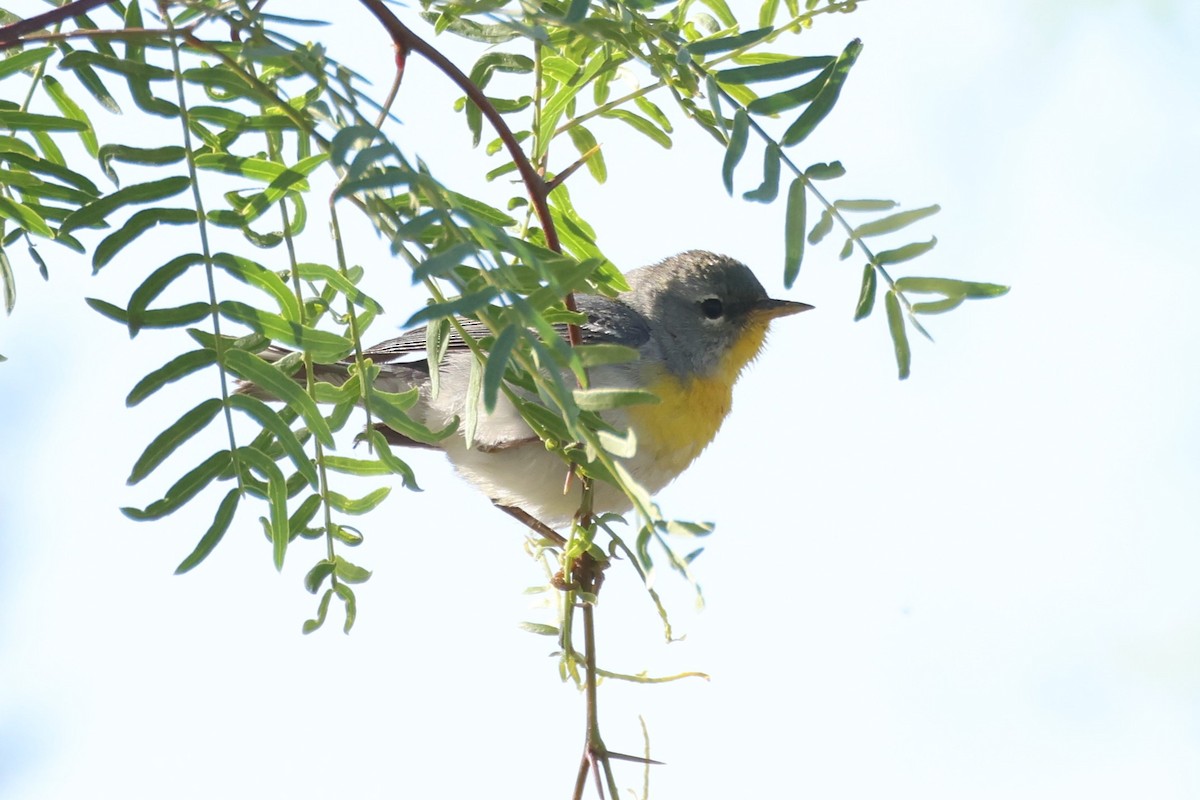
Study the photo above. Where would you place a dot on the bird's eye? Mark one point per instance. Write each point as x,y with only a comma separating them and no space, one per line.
712,308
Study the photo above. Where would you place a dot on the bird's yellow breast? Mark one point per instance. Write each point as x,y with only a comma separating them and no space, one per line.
674,431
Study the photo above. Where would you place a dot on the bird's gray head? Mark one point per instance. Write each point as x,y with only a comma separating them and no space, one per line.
708,312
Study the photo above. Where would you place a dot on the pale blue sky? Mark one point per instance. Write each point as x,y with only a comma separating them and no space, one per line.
978,583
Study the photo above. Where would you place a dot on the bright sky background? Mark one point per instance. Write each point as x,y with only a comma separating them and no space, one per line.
977,583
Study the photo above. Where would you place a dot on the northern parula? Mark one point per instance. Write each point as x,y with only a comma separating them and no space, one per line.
696,319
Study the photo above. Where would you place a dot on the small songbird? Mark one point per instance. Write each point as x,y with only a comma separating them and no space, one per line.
696,319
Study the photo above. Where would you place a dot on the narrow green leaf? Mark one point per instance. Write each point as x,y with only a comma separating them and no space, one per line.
824,102
311,625
21,121
255,274
641,125
774,71
939,306
866,293
254,369
463,306
324,346
71,110
792,98
865,205
303,515
600,354
726,43
24,60
155,283
899,335
822,228
768,11
950,287
94,213
183,489
283,433
793,235
585,143
317,575
825,172
894,222
360,505
178,367
350,573
137,224
906,253
212,537
276,497
576,11
24,216
847,249
170,439
736,149
539,628
605,399
497,362
768,190
347,594
109,153
471,409
9,281
383,452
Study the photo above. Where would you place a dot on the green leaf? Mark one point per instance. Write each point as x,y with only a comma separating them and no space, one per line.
497,362
463,306
773,71
311,625
170,439
576,11
899,335
276,497
255,169
350,573
154,285
178,367
357,506
183,490
24,216
347,594
585,143
212,537
906,253
158,318
21,121
383,452
948,286
793,235
641,125
768,190
724,44
605,399
24,60
255,274
792,98
894,222
317,575
822,228
283,433
866,293
865,205
820,107
157,156
736,149
254,369
94,213
939,306
825,172
9,281
324,346
540,629
71,110
137,224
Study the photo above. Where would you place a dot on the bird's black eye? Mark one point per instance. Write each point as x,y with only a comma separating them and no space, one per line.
712,308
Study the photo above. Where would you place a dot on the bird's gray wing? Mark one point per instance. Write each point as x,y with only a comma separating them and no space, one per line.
609,321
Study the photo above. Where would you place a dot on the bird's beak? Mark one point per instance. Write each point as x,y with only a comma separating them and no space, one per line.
770,309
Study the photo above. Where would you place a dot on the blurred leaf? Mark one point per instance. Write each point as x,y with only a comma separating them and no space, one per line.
212,537
866,293
347,594
736,149
773,71
350,573
726,43
793,236
22,121
324,346
605,399
24,60
322,610
948,286
640,124
497,362
864,205
71,110
939,306
894,222
360,505
822,228
906,253
825,172
317,575
823,103
794,97
24,216
899,335
768,190
539,628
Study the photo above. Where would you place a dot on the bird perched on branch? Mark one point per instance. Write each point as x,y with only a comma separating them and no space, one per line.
696,320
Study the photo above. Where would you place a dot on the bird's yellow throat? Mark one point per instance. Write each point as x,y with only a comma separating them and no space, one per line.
677,429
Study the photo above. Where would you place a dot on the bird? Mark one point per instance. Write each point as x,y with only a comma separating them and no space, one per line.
696,320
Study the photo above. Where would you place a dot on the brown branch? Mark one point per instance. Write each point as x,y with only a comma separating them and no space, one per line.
404,41
10,35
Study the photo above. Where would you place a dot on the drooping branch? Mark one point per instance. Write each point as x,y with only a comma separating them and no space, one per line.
10,35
